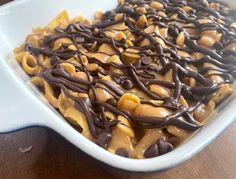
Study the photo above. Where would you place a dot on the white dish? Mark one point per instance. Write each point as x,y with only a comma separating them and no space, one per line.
20,106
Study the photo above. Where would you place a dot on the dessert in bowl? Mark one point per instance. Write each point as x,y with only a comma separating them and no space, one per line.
138,80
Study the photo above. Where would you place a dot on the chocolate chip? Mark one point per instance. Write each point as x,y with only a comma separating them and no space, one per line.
96,108
159,48
173,31
112,102
104,139
152,151
146,60
109,14
122,152
77,127
164,147
54,60
30,48
127,84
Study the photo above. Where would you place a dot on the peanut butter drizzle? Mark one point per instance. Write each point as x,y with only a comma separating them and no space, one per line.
141,64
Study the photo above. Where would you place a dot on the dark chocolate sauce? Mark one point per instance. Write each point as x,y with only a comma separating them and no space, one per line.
155,59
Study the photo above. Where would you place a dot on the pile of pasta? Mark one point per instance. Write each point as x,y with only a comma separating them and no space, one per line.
138,80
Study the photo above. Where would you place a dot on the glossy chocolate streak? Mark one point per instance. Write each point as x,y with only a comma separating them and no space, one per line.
155,59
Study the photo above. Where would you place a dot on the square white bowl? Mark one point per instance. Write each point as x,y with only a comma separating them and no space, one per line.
20,106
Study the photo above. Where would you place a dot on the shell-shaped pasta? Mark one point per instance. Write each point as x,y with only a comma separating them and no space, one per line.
114,59
128,102
182,101
72,60
107,49
163,32
69,68
33,39
142,21
102,95
81,75
168,75
214,78
150,111
110,115
120,26
57,44
131,55
224,91
49,94
19,49
192,82
45,61
180,133
161,42
110,33
202,113
64,102
78,118
99,56
162,91
209,38
60,20
180,39
98,16
80,18
183,54
84,60
129,36
197,55
30,64
122,135
92,67
125,126
120,140
119,16
19,55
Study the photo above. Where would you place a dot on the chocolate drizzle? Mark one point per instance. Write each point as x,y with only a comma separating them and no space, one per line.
155,60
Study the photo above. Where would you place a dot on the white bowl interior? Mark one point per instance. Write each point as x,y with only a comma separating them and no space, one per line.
16,21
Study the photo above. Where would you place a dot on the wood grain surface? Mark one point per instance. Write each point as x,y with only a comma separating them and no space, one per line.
54,157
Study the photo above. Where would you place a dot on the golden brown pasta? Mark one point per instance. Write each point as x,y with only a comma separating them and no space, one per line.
137,80
48,91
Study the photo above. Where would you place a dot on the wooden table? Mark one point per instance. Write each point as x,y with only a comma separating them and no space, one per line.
53,157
